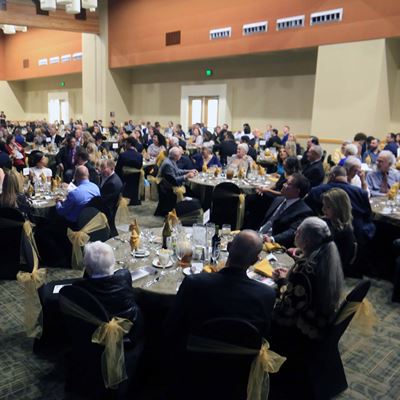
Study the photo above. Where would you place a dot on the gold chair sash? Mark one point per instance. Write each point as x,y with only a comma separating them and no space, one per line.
108,334
160,158
80,238
180,192
154,181
265,362
122,214
131,170
364,315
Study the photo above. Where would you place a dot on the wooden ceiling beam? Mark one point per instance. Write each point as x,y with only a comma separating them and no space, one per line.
25,14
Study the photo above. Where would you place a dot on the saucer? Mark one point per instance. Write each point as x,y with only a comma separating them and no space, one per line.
156,263
141,253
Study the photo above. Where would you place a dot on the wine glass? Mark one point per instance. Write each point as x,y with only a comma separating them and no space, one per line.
179,252
164,258
216,251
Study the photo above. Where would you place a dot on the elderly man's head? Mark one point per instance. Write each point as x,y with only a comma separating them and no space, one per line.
338,174
244,249
385,161
352,165
350,150
99,259
315,153
81,173
173,141
242,150
175,153
311,233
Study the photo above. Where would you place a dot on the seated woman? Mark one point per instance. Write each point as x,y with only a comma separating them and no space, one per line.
241,159
159,144
40,137
310,291
291,146
205,157
208,140
37,164
197,137
113,289
336,207
282,156
16,151
12,195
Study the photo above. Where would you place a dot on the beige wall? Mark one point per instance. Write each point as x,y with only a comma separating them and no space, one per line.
12,99
273,88
395,115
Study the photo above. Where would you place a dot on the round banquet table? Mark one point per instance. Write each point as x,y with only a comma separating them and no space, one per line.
43,206
169,283
203,185
385,211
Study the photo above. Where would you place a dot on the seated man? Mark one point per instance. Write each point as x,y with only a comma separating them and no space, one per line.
314,171
129,158
380,181
226,148
76,200
170,171
364,228
227,293
66,158
287,212
113,289
82,158
355,175
391,144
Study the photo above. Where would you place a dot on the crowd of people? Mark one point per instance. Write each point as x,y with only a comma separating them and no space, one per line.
318,209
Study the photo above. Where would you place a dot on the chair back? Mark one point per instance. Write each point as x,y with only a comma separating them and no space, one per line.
131,188
85,216
96,202
222,375
12,244
84,364
189,212
225,202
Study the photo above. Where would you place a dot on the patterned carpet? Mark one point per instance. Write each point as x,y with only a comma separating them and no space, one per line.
372,364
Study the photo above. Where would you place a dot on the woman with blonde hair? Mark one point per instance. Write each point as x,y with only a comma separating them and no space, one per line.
336,207
12,194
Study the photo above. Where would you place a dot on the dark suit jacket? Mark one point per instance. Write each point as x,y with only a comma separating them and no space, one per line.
63,157
185,162
129,158
110,192
252,153
364,228
314,173
116,294
284,228
227,293
226,149
170,171
5,161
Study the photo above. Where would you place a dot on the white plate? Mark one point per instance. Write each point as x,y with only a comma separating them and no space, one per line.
156,263
141,254
197,267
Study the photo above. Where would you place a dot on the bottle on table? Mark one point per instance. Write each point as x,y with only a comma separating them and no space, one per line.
166,234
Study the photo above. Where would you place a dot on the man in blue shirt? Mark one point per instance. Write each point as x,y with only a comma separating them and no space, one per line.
76,200
380,181
391,143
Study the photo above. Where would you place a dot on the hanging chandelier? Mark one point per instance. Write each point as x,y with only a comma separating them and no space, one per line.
71,6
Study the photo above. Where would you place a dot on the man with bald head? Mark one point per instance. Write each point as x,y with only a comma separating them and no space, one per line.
228,293
76,200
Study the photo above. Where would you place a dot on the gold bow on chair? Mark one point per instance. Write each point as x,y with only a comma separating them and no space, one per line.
131,170
240,211
160,158
108,334
122,214
180,192
154,181
265,362
364,315
80,238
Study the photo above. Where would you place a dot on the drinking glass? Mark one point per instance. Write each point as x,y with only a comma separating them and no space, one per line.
164,257
215,255
179,252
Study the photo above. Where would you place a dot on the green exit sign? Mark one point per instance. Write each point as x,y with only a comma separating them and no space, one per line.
209,72
62,83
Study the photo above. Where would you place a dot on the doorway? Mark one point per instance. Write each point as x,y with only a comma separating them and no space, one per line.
204,109
58,107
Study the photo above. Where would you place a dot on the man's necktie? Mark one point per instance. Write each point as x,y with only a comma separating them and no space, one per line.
267,227
384,184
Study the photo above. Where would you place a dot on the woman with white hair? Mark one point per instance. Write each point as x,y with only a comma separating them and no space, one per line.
310,292
113,289
241,159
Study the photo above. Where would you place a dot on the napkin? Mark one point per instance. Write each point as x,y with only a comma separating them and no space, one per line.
43,177
393,191
241,173
204,168
209,268
269,247
264,268
160,158
261,170
173,219
273,179
134,240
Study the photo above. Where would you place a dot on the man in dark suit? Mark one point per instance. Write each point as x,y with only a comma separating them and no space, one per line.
110,190
227,293
364,228
65,158
5,161
82,158
227,148
55,138
287,212
314,171
129,158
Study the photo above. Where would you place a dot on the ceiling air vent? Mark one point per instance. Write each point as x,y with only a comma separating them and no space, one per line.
326,17
221,33
172,38
25,63
3,5
290,23
257,27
